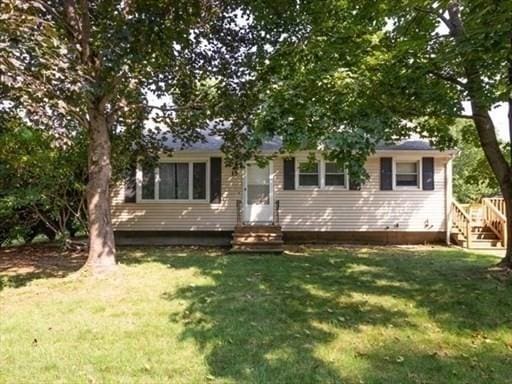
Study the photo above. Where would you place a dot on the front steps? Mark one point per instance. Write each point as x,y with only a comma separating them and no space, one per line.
257,239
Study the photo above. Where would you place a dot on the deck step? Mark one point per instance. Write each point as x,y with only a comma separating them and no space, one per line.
255,237
258,229
275,251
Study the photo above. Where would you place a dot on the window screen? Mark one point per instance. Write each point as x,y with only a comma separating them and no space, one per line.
334,175
407,174
308,174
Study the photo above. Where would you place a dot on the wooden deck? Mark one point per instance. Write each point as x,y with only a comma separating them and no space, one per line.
482,227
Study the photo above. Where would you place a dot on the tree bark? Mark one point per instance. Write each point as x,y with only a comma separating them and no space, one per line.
484,124
101,235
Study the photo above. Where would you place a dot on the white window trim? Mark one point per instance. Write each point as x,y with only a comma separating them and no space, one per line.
417,160
321,177
157,199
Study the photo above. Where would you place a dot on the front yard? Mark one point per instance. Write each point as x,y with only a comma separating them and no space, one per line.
314,315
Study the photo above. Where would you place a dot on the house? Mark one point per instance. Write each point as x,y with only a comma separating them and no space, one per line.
194,198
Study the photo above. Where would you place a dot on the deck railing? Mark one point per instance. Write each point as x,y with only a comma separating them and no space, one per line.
462,221
499,203
495,217
239,212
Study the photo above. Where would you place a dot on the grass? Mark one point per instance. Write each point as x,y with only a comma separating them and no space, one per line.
324,315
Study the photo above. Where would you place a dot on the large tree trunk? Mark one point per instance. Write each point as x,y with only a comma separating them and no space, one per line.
101,235
483,122
499,165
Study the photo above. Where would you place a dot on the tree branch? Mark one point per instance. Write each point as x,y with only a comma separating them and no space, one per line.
47,223
437,13
451,79
85,31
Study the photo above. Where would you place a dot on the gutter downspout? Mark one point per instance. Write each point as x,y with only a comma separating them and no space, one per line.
448,198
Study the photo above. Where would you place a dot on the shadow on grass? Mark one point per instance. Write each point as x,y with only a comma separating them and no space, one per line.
261,318
19,265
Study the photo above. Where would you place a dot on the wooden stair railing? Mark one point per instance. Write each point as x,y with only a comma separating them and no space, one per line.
499,203
462,221
495,217
239,213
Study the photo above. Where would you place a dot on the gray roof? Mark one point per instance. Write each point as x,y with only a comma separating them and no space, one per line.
407,145
213,142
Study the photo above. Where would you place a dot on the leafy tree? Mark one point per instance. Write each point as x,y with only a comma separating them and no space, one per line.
85,68
473,178
41,183
363,72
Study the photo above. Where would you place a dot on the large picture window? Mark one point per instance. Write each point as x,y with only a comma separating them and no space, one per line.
407,174
175,181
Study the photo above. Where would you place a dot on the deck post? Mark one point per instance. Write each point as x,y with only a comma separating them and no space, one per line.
468,233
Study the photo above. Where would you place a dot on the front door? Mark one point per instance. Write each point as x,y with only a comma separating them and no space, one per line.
258,202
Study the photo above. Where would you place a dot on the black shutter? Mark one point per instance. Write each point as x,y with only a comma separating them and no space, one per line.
289,174
428,173
386,173
215,179
130,185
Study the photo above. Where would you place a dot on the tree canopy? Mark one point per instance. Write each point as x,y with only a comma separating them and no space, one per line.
341,76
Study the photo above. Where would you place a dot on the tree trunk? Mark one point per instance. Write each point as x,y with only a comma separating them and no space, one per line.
507,260
499,165
101,235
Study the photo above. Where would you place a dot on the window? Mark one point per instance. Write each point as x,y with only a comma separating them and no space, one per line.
334,175
175,181
406,174
309,174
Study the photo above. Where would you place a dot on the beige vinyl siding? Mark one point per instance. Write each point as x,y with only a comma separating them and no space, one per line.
180,216
369,209
300,210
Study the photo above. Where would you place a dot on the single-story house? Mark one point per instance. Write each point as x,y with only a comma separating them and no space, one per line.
194,198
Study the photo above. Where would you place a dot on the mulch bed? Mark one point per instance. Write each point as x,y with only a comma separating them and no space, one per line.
43,259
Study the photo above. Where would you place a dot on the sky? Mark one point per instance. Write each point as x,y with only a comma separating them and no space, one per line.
499,116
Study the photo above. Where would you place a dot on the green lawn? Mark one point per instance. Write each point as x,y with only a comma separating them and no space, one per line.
311,316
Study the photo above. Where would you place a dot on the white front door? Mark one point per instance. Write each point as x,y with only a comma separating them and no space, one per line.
258,196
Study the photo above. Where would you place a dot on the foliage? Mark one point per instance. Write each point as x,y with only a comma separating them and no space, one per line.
318,316
473,178
196,56
86,69
361,72
41,183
